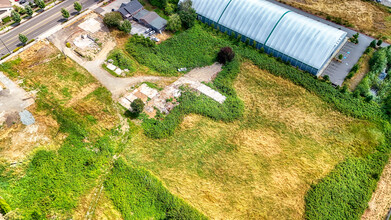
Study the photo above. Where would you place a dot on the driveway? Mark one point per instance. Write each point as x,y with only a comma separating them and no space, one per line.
117,86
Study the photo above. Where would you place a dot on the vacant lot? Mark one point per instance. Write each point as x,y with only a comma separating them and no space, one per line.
261,165
365,16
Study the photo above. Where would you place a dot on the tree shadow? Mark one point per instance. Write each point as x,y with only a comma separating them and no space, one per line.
131,115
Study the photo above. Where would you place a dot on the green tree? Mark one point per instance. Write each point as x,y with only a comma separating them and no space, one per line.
40,3
65,13
373,44
15,16
137,106
112,19
187,14
29,11
379,42
126,26
77,6
170,8
23,38
174,23
225,55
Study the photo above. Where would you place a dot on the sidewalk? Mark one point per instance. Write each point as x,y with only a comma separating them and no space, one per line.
48,7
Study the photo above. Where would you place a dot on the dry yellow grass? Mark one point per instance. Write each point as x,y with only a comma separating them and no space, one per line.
365,16
381,198
258,167
42,66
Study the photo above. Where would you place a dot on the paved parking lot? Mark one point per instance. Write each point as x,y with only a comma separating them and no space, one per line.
337,71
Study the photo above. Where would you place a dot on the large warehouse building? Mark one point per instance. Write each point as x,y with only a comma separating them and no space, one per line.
301,41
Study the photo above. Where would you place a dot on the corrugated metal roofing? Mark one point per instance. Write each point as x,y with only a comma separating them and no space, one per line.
294,35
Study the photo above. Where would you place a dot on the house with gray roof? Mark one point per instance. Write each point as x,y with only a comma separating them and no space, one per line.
152,20
128,10
134,10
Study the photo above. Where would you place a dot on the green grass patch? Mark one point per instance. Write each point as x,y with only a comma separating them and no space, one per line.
122,61
140,195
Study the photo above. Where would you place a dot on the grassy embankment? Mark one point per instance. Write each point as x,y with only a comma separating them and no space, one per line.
261,162
53,181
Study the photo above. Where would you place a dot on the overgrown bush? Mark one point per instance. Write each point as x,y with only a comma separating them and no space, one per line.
345,192
112,19
121,60
226,54
4,207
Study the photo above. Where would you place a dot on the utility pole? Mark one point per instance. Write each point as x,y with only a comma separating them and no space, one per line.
5,45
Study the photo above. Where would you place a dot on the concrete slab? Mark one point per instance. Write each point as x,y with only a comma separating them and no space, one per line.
91,25
118,71
148,91
111,67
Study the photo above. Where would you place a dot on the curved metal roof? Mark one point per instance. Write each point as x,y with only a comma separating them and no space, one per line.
294,35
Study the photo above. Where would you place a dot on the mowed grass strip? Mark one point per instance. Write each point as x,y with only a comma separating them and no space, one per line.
261,165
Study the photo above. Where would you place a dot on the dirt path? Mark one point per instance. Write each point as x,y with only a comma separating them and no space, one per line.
381,198
117,86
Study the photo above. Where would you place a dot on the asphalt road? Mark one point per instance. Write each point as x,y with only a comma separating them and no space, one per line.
39,24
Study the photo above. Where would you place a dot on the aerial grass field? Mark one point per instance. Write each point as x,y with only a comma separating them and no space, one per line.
284,145
63,180
261,165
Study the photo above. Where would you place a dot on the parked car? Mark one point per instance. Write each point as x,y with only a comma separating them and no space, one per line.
148,30
155,39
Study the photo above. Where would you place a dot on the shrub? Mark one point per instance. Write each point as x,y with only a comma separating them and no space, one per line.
68,45
326,78
4,207
112,19
340,56
125,26
225,55
5,56
121,60
379,42
373,44
137,106
6,19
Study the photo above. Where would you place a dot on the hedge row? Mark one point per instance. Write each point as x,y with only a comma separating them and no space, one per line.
140,195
